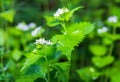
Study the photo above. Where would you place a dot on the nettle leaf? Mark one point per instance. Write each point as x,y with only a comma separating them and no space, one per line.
88,73
8,15
102,61
98,50
62,71
51,21
66,43
85,27
36,68
75,34
30,60
69,14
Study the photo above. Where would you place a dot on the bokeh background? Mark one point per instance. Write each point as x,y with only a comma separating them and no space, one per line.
15,44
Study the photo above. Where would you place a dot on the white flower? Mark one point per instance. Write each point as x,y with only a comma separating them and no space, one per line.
42,41
102,30
66,10
36,31
22,26
48,42
60,11
32,25
112,19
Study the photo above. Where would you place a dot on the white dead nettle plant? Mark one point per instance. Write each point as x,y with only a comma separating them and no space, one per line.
42,41
102,30
112,19
60,11
36,31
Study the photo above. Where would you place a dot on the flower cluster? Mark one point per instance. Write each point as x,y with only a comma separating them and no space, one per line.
42,41
60,11
36,31
112,19
24,27
102,30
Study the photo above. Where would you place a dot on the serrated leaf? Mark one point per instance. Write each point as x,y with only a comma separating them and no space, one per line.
75,34
8,15
98,50
85,27
66,43
69,14
102,61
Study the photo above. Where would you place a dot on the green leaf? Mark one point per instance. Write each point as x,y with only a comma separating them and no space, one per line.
98,50
37,69
16,54
66,43
30,60
102,61
113,72
113,37
69,14
26,79
51,21
62,71
63,65
85,27
75,34
8,15
88,73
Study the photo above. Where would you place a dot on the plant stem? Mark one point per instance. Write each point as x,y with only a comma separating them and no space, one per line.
64,27
2,5
48,75
2,65
112,45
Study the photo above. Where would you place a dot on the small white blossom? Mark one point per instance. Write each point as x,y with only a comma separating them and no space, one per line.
102,30
48,42
66,10
112,19
43,42
36,31
32,25
60,11
40,41
22,26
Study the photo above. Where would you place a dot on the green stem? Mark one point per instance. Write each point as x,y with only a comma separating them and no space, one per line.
2,65
112,45
64,27
48,75
2,5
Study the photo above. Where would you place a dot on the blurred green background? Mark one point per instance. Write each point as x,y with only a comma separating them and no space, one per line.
15,44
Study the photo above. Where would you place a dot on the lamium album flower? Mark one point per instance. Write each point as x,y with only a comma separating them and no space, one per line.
102,30
42,41
112,19
61,11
